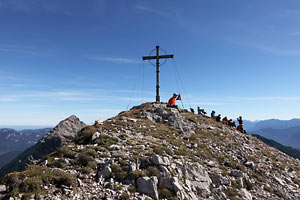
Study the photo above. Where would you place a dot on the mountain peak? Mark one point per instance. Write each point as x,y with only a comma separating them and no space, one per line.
66,130
161,153
62,134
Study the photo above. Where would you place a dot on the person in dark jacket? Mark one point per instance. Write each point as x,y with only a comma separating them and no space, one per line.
224,120
213,114
218,118
240,120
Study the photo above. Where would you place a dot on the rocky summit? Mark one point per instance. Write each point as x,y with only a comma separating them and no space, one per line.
61,135
156,152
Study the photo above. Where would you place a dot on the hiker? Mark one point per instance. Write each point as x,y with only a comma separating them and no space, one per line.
229,122
240,120
213,114
218,118
201,111
240,128
192,110
233,124
224,120
171,102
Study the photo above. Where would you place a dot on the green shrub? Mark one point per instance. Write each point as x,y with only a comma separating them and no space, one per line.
56,163
85,135
160,149
296,181
106,140
66,152
231,192
135,174
132,189
248,184
118,187
118,173
87,170
145,162
165,193
86,157
279,194
30,181
268,189
236,184
125,196
31,185
152,171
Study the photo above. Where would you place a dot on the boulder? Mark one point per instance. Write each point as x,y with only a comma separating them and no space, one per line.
249,164
217,179
157,160
246,194
105,172
198,178
148,186
99,122
2,188
132,166
95,136
115,147
236,173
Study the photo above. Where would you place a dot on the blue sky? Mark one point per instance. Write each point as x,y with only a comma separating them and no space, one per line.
64,57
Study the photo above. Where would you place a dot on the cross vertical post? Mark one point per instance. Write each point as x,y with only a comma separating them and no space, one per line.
157,75
157,57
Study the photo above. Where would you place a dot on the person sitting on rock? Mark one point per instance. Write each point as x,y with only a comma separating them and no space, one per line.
218,118
233,124
224,120
192,110
240,128
229,122
213,114
171,102
201,112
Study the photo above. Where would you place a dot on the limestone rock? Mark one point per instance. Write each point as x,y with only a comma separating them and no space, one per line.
158,160
236,173
246,194
105,172
2,188
148,186
95,136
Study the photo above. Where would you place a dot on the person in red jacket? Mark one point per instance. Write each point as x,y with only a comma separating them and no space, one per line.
171,102
240,128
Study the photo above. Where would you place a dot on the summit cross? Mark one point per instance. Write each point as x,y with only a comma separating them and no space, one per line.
157,57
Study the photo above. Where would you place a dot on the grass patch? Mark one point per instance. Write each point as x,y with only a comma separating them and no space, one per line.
30,181
165,193
85,136
117,173
106,140
86,158
152,171
136,174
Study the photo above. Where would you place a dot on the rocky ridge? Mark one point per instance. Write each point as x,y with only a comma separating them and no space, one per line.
155,152
62,134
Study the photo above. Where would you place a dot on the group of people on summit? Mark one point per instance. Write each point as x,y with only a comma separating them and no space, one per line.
229,122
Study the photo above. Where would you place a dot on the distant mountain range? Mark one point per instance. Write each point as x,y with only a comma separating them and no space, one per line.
13,142
63,133
288,150
286,132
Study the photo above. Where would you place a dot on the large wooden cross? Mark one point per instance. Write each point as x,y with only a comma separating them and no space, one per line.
157,57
